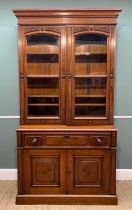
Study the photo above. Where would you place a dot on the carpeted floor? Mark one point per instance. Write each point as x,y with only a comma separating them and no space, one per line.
8,193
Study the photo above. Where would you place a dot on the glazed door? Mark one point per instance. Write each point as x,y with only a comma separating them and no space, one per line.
89,84
43,171
88,171
43,72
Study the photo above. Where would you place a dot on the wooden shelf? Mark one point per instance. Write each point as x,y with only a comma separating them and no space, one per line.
42,53
43,104
43,96
42,76
91,96
91,76
90,104
88,86
89,53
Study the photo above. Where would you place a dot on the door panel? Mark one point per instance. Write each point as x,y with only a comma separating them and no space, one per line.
90,97
88,171
44,171
89,84
43,69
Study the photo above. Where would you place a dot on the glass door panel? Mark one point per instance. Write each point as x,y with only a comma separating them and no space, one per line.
43,97
90,97
43,54
43,75
90,76
90,54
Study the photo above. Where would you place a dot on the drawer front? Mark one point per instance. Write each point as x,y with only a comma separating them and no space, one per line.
34,140
90,140
99,140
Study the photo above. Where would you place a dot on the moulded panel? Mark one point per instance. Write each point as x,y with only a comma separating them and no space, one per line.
90,171
44,171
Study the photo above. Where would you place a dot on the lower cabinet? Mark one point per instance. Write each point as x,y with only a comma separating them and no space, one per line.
66,171
66,167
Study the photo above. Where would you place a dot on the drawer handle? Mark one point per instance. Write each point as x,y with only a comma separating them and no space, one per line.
90,122
34,140
99,141
66,136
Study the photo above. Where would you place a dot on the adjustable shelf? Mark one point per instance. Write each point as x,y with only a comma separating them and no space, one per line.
42,76
90,104
90,76
91,96
43,104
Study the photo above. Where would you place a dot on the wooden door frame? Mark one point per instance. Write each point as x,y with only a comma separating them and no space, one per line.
23,32
110,74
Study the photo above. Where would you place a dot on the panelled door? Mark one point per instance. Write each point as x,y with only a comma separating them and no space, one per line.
66,74
44,172
42,75
89,75
66,171
88,171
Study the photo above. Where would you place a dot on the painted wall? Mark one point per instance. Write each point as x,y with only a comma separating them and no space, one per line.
9,85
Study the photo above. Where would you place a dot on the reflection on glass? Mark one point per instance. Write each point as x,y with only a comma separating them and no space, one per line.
43,97
90,111
90,96
43,75
90,54
45,111
42,54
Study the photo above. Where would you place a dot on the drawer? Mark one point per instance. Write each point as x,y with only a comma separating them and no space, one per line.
90,140
33,140
99,140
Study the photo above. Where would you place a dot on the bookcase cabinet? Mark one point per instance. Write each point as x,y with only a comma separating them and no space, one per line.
66,140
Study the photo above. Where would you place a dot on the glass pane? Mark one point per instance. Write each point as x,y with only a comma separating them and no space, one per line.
42,54
90,54
43,97
90,97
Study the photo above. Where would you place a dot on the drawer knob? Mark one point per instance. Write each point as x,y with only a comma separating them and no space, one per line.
99,141
90,122
34,140
66,136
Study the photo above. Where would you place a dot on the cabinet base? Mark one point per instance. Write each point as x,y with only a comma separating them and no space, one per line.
67,199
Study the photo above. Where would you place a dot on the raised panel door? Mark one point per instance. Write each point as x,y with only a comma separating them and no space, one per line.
44,171
88,171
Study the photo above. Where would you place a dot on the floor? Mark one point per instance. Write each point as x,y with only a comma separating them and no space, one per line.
8,192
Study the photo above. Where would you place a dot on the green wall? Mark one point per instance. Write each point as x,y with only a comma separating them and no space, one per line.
9,84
